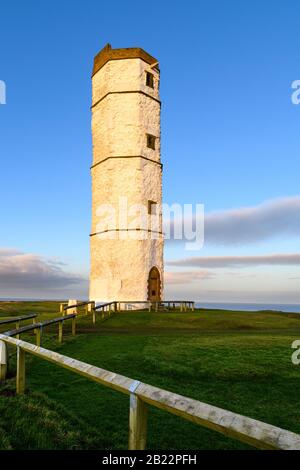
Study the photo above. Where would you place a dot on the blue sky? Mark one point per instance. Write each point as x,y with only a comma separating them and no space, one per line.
230,137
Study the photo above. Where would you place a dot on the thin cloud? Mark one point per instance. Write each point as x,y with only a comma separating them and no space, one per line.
278,217
187,277
20,270
281,259
246,225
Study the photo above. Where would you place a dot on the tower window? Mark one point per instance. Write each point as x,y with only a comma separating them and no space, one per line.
152,207
150,79
151,141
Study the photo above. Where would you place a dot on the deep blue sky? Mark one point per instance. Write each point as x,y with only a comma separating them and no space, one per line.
230,134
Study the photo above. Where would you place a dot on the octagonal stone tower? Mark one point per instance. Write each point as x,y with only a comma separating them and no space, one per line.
126,250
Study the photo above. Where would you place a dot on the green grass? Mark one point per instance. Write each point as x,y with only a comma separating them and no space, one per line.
240,361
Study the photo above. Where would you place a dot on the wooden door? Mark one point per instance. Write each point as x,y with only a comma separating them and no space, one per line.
154,285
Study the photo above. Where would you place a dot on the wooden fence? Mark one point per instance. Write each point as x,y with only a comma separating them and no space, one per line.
89,306
38,328
118,305
233,425
18,320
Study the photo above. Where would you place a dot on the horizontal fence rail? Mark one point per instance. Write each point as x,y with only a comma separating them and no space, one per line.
38,327
79,304
184,305
116,305
23,329
106,306
233,425
18,319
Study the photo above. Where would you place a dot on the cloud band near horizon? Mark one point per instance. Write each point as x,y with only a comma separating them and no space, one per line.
25,271
277,259
247,225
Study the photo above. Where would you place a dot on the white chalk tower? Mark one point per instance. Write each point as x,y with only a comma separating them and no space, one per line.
126,258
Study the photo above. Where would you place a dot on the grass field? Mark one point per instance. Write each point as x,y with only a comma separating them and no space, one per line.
240,361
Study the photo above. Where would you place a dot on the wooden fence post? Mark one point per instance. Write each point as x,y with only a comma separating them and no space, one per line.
3,361
90,307
137,421
60,331
20,370
38,333
94,316
74,326
17,327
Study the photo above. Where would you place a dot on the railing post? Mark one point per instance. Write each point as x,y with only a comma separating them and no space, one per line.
20,370
137,421
94,316
38,333
90,307
17,327
74,326
60,331
3,361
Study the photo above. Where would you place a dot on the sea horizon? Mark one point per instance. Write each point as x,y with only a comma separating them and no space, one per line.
246,306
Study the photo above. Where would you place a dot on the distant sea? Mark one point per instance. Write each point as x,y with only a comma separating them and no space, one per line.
295,308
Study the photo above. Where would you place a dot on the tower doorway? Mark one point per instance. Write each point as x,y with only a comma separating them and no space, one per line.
154,285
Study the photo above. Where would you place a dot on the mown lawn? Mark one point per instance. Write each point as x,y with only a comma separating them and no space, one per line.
240,361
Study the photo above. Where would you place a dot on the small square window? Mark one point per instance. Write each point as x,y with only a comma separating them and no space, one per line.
151,141
152,207
150,79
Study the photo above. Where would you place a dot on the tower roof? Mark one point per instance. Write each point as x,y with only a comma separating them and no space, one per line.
107,53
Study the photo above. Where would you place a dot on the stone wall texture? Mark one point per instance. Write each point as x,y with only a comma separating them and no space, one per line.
122,115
